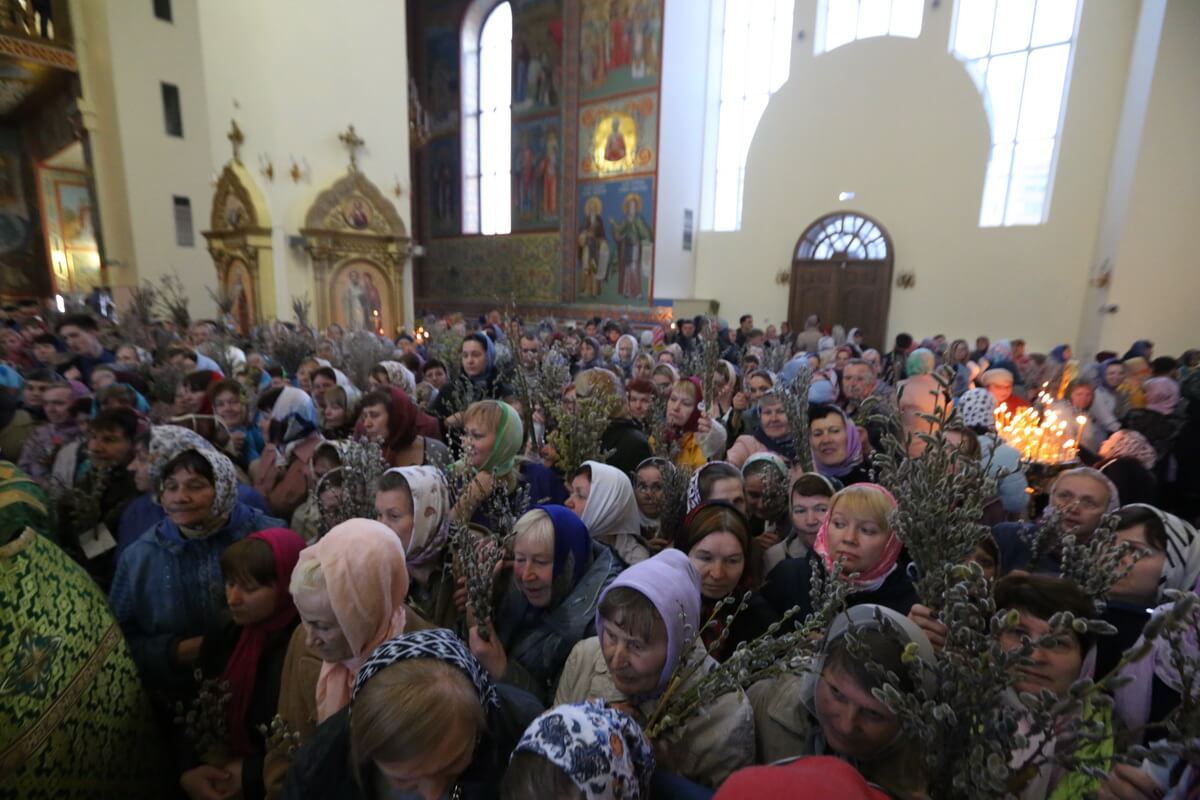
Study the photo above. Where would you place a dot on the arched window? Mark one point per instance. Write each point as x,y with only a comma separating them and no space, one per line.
843,237
1020,60
487,117
756,41
841,22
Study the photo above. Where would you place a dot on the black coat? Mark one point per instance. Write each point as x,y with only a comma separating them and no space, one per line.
626,444
790,585
321,768
215,652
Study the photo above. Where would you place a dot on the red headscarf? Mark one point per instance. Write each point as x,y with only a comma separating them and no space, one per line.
242,667
812,776
405,421
693,422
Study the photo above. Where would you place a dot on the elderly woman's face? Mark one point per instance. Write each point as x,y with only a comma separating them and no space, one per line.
829,439
322,632
1000,390
188,497
625,350
1082,500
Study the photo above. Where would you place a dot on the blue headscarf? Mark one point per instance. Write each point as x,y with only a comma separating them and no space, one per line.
10,378
489,349
570,539
1059,353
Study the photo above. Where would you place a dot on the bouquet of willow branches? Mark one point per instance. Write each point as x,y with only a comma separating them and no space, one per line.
675,480
83,503
578,431
941,493
136,325
281,737
658,429
175,302
302,310
795,405
354,483
361,352
785,647
774,357
163,380
444,345
1098,562
288,345
204,719
220,349
977,734
1176,737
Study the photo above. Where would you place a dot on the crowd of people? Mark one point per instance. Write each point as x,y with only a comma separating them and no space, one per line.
182,619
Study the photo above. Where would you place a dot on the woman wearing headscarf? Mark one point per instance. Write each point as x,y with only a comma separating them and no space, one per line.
588,750
478,380
958,359
625,353
558,574
167,592
1131,390
74,720
393,373
493,438
1128,460
349,589
1109,375
1156,420
699,437
801,715
407,434
645,625
857,532
424,715
716,537
415,503
247,653
589,354
729,403
650,493
976,410
773,434
838,447
290,428
602,497
1079,401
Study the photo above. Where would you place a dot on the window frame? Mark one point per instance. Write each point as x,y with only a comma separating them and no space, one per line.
979,78
471,114
167,93
820,41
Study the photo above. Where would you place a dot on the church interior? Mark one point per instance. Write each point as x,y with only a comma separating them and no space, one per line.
1030,173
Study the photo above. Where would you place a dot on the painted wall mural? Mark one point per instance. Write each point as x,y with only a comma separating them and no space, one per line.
440,91
444,157
361,300
537,56
535,177
69,229
620,46
619,137
494,268
616,242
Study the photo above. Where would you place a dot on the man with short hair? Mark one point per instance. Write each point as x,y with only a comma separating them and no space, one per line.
982,344
81,333
745,325
531,351
859,383
894,364
809,339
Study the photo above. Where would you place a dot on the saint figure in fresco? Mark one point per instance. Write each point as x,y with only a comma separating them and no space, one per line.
352,303
548,168
593,248
634,243
372,303
614,148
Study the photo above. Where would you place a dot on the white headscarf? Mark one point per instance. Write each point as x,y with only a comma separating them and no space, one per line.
611,507
1181,569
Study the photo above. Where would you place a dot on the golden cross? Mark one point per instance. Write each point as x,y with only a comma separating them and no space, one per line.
353,142
236,138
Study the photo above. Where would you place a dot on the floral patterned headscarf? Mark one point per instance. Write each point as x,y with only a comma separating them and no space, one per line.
602,750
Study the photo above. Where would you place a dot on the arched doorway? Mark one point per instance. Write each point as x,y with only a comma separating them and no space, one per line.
842,272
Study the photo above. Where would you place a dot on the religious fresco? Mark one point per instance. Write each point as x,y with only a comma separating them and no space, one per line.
69,229
440,94
239,287
537,56
444,157
494,268
361,298
615,242
619,137
535,174
620,43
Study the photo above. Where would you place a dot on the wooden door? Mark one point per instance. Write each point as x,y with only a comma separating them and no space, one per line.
842,272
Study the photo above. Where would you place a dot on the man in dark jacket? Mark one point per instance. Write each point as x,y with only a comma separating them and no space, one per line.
624,444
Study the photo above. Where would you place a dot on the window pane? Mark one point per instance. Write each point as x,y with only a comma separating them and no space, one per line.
729,135
725,216
1043,93
978,71
973,34
755,106
1014,21
733,63
1030,180
1055,22
495,121
874,18
758,57
1005,77
781,43
906,18
995,186
841,23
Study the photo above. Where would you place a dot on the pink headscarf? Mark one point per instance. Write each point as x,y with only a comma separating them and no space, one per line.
1162,395
366,580
873,578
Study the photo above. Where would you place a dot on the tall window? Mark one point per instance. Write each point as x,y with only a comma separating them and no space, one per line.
755,59
841,22
1020,60
487,118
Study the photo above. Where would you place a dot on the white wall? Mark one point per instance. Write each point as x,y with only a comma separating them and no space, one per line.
899,122
1155,281
301,71
129,52
681,143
